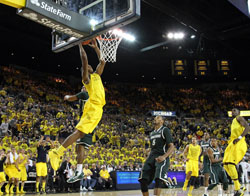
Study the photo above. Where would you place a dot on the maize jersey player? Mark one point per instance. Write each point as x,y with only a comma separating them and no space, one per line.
236,149
192,154
86,141
41,162
93,108
12,171
22,161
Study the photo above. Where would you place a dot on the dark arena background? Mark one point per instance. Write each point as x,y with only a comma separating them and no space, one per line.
186,61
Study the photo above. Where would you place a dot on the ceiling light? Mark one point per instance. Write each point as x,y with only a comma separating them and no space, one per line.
176,35
170,35
93,22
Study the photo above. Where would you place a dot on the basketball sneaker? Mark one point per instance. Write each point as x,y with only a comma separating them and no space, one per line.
243,188
22,192
7,189
12,189
43,191
76,177
17,191
90,189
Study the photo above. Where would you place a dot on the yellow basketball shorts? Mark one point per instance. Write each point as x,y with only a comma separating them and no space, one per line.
41,169
2,177
12,171
234,153
23,174
192,166
90,118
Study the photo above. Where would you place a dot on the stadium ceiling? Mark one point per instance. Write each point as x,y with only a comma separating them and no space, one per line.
221,30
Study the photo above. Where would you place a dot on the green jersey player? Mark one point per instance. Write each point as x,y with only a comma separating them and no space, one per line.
217,172
205,144
157,163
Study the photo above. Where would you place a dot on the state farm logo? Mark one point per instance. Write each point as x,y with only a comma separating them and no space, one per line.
35,2
50,8
51,24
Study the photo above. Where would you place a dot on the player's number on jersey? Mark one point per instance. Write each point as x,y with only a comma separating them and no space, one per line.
153,142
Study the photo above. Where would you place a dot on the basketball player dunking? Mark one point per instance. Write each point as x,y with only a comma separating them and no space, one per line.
85,142
93,108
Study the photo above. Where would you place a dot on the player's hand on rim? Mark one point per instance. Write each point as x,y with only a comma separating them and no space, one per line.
159,159
93,43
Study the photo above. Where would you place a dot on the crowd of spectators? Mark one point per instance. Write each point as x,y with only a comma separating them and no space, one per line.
32,106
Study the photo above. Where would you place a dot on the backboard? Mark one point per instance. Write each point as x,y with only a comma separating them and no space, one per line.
102,15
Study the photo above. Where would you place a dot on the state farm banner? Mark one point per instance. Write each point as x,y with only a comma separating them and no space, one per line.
57,17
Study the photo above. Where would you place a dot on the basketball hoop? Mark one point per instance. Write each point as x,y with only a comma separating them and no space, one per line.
109,43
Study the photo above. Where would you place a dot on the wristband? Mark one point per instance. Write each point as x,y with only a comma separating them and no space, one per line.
240,137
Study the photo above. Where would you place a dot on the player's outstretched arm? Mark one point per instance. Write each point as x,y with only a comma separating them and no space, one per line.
83,95
84,59
94,45
70,98
101,65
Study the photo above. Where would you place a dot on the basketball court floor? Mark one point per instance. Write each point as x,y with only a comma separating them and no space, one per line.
165,192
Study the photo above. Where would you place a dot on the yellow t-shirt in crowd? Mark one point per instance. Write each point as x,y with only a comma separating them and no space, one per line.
104,173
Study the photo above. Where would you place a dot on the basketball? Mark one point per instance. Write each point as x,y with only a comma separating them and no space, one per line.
86,42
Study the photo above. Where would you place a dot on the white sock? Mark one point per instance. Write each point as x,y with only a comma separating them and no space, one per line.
79,168
206,190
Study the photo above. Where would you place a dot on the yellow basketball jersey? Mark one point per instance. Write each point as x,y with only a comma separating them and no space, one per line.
194,152
96,90
24,162
236,129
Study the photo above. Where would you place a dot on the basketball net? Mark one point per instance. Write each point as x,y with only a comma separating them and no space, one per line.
109,43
